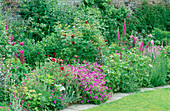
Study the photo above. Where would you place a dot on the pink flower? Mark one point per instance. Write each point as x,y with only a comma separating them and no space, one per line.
54,102
150,35
165,52
141,47
53,59
131,36
117,53
82,101
22,43
123,48
152,42
12,38
115,50
134,40
147,45
7,24
59,98
21,51
13,43
118,34
124,28
129,48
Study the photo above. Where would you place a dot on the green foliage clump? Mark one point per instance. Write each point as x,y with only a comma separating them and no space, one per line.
41,15
152,16
161,36
127,72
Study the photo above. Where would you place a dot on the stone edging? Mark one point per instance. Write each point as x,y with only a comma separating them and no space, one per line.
116,96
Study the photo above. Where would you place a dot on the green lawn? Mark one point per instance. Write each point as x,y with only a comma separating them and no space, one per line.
156,100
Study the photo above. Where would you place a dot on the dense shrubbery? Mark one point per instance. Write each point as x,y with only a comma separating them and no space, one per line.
152,16
52,61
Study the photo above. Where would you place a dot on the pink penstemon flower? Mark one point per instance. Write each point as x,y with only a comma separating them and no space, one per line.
118,34
152,42
7,24
124,27
150,35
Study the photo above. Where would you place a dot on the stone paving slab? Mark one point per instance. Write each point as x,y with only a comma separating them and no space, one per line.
116,96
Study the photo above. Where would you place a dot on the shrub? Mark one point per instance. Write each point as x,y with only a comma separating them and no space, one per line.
42,15
81,42
161,36
126,71
152,16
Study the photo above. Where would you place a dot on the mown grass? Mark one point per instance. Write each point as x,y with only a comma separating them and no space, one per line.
156,100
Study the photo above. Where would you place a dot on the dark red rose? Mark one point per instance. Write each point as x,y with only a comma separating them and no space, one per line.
62,68
73,36
86,22
91,26
54,54
73,42
105,40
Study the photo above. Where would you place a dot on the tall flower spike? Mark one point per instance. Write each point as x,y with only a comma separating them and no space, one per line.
124,27
22,58
7,24
118,34
147,45
141,47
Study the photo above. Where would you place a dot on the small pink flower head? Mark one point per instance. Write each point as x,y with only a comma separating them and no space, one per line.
131,36
116,51
129,48
165,52
7,24
54,102
12,38
124,28
150,35
21,51
53,59
22,43
13,43
152,42
123,48
118,34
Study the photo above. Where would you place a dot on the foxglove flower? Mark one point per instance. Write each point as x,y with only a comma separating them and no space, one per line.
7,24
124,28
152,42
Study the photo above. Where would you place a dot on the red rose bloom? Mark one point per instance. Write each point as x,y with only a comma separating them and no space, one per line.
73,36
58,60
86,22
62,68
53,60
73,43
64,35
54,54
13,43
105,40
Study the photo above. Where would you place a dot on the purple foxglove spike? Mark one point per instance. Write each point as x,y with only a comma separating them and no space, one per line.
147,45
134,40
118,34
124,28
7,24
129,48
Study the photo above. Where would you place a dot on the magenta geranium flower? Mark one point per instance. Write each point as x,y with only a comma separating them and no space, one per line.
21,51
22,43
13,43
